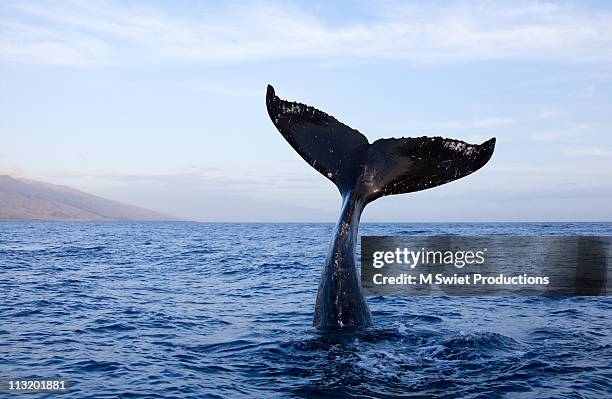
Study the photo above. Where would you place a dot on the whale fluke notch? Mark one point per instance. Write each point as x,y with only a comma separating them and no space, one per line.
364,172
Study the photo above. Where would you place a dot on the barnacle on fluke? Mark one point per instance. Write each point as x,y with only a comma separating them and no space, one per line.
364,172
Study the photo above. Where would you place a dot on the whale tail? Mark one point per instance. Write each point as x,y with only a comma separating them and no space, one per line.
384,167
364,172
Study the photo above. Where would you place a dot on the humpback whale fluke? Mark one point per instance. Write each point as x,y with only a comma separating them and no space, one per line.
364,172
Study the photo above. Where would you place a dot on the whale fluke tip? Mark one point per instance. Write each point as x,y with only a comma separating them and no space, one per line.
270,91
489,147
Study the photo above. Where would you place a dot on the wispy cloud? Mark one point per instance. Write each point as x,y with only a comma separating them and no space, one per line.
553,135
10,169
568,133
215,194
207,178
589,152
454,125
494,121
91,33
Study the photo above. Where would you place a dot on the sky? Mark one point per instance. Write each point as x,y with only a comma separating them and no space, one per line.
162,104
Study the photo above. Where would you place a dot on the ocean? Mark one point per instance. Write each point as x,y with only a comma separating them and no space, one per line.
214,310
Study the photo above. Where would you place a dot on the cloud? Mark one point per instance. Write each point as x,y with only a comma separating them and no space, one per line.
92,33
546,115
589,152
554,135
215,194
444,125
488,122
10,169
265,183
568,133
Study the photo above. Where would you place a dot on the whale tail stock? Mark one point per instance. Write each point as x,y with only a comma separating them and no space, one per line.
364,172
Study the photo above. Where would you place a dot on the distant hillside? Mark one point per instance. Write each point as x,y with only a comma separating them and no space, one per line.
22,199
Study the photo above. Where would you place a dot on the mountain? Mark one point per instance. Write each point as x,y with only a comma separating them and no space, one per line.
22,199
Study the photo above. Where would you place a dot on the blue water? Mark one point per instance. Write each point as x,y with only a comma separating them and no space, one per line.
192,310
